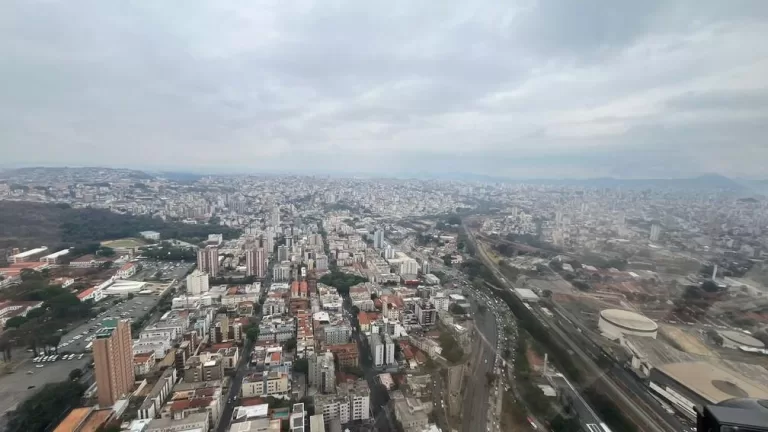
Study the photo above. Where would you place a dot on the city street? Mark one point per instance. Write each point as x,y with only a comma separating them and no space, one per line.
236,383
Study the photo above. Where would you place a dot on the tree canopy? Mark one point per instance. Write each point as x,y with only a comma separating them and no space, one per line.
342,281
46,406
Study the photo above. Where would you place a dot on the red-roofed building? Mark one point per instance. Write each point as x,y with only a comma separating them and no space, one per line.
346,354
90,294
365,322
127,270
10,309
143,362
88,261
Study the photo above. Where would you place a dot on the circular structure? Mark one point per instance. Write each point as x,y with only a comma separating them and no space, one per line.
615,323
735,339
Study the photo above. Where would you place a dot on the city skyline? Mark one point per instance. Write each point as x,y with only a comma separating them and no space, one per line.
521,90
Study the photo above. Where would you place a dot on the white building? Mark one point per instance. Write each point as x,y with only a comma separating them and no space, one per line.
54,257
321,263
441,302
127,270
27,255
409,267
197,283
378,239
426,314
150,235
389,350
256,263
655,232
321,372
377,349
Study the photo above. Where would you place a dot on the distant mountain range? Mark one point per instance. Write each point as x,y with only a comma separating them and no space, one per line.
702,182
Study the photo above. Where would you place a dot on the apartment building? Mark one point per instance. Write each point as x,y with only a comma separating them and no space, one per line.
272,383
113,361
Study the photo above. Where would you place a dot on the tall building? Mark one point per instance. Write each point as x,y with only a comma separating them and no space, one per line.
377,349
426,314
389,252
378,239
655,232
321,262
282,253
389,350
256,263
208,260
275,217
197,283
409,267
113,361
426,268
322,372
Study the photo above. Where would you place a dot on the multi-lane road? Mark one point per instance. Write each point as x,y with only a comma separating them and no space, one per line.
482,359
649,421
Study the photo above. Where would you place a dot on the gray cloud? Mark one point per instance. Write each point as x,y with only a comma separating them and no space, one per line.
524,88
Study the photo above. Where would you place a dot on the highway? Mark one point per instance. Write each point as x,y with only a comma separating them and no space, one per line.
476,403
646,423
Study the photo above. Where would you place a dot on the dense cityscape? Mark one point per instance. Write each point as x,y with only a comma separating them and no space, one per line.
146,302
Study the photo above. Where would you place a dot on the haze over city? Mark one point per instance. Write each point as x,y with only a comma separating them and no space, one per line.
514,88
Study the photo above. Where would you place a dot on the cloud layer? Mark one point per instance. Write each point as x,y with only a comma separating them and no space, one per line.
517,88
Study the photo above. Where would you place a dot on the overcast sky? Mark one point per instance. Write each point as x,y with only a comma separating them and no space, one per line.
514,88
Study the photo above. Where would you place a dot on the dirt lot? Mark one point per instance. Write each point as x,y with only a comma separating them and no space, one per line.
685,341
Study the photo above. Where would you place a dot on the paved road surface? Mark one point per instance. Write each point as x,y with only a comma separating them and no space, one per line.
234,388
476,403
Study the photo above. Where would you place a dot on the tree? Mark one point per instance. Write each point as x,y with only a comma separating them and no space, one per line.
447,260
75,374
15,322
43,408
455,309
105,252
301,365
289,345
252,332
131,296
30,275
35,313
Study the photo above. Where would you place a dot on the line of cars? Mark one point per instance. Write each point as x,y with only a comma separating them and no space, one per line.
80,336
55,357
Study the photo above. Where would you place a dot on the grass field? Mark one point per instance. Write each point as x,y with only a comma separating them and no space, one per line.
129,242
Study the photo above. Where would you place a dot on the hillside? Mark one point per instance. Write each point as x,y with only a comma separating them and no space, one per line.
27,224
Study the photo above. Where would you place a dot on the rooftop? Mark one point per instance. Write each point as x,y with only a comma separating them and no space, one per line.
712,382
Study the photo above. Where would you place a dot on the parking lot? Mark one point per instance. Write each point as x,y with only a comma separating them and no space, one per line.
168,270
133,309
19,385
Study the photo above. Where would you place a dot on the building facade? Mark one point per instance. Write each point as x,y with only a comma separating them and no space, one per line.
113,361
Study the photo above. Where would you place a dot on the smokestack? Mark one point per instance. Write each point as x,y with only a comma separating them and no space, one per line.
546,359
714,272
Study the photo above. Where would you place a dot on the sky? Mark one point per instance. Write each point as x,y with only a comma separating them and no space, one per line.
521,89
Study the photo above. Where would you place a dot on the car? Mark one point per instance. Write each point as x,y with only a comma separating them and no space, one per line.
29,372
39,366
